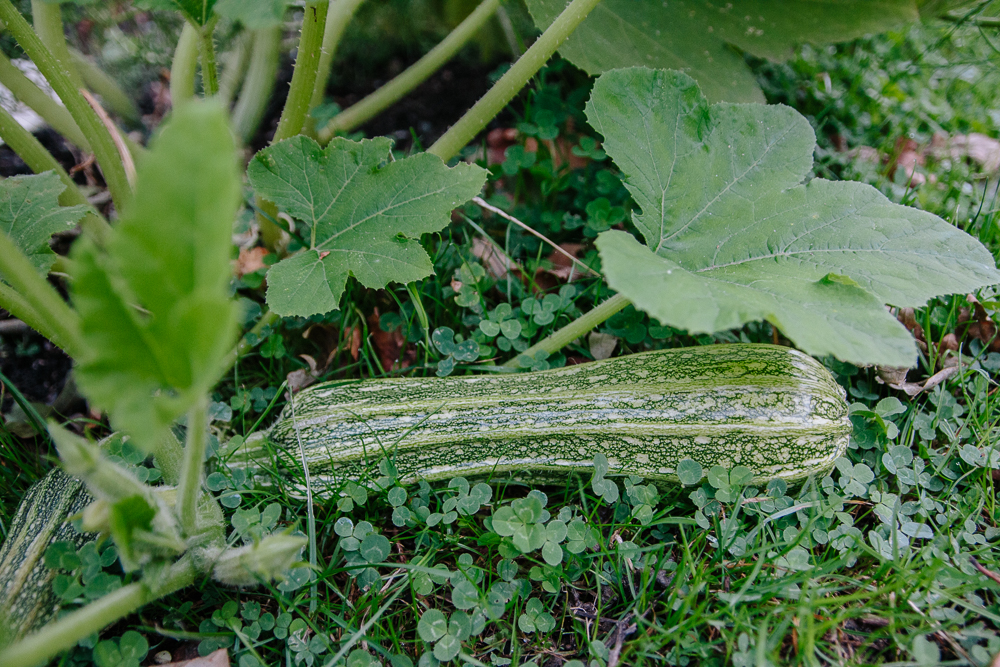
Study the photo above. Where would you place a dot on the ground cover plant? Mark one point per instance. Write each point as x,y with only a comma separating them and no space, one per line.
615,208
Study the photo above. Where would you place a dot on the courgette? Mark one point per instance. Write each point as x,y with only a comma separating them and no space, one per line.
27,600
770,408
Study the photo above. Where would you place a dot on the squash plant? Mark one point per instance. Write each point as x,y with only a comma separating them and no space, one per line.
729,233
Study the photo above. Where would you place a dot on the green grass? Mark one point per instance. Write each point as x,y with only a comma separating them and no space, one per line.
871,565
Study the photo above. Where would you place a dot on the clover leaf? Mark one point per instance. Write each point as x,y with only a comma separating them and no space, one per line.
444,340
363,215
854,477
605,488
447,637
727,483
501,320
732,235
535,618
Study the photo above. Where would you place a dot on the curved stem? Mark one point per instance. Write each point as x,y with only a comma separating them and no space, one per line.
102,84
337,18
504,90
17,306
189,488
55,314
259,83
413,76
184,66
209,70
40,160
49,109
47,19
64,633
293,116
62,82
578,327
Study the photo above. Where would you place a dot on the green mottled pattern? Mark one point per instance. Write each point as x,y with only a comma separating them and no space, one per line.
26,597
770,408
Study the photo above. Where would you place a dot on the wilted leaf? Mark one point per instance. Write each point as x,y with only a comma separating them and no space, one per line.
732,236
157,319
364,215
695,35
30,214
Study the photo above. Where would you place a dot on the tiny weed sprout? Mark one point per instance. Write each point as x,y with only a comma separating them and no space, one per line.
677,345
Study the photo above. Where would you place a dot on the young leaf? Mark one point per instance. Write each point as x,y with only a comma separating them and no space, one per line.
364,217
732,236
157,319
30,214
695,36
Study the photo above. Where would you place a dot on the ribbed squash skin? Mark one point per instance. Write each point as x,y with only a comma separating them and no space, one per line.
772,409
26,597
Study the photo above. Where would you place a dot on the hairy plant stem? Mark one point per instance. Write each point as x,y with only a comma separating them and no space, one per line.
62,82
184,66
189,487
337,18
18,306
49,109
413,76
300,92
504,90
63,634
47,18
578,327
206,48
102,84
40,160
259,82
55,314
293,116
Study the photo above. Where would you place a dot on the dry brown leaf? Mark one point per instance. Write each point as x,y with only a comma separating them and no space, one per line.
493,258
602,346
562,267
218,658
250,260
388,345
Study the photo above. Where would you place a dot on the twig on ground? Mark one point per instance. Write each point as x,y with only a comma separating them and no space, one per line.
506,216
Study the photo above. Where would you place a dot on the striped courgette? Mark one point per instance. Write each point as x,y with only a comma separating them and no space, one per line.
772,409
26,597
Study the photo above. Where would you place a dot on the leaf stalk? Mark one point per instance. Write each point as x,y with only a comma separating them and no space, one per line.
504,90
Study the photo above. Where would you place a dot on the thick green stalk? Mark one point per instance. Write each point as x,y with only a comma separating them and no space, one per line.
62,82
504,90
293,116
55,314
234,67
189,488
47,18
209,70
339,15
109,90
17,306
40,160
184,66
413,76
64,633
578,327
49,109
259,83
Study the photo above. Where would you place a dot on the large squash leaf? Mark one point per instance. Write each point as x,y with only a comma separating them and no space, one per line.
363,214
30,214
695,35
733,236
157,318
